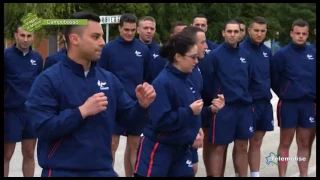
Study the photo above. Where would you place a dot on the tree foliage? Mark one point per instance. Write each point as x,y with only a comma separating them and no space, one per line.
13,13
280,16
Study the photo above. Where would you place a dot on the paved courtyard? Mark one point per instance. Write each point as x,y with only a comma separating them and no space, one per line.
270,144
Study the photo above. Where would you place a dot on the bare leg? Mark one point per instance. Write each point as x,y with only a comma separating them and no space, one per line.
217,159
254,153
286,137
28,149
313,136
303,141
234,154
8,152
241,157
114,147
195,168
206,151
126,160
225,155
131,151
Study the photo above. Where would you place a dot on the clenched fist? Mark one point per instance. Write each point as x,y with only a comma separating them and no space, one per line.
196,106
145,94
94,105
217,103
198,143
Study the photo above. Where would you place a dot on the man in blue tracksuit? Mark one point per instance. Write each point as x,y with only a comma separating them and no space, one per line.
146,30
55,58
293,79
201,22
241,38
74,106
313,136
259,89
175,115
242,28
230,67
21,66
128,59
158,62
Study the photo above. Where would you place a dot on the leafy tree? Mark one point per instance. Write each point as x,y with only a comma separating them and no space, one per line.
287,13
218,14
279,16
168,13
13,14
108,9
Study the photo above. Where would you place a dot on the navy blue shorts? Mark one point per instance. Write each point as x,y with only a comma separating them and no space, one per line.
194,154
118,130
17,126
294,113
230,123
71,173
263,116
122,131
159,160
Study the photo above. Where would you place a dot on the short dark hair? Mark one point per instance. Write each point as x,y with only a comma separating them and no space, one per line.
18,26
147,18
300,23
177,44
191,31
231,22
78,15
128,18
175,24
240,21
199,16
258,20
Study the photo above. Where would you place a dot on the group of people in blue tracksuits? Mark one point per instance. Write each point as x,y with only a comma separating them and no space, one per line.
187,94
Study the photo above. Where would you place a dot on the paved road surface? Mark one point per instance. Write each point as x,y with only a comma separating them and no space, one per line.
270,144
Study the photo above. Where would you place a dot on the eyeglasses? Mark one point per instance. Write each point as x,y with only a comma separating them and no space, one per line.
194,57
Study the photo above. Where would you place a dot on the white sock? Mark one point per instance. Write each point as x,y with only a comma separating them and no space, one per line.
237,174
254,174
